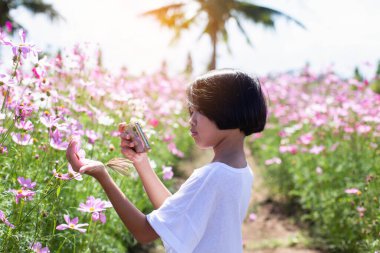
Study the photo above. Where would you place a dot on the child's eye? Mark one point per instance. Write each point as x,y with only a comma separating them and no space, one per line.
191,111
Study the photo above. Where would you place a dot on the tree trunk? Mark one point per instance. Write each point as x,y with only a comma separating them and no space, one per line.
214,41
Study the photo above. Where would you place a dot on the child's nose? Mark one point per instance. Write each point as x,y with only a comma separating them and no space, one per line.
192,120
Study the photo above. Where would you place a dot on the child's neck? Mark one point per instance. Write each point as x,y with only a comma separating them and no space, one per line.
230,150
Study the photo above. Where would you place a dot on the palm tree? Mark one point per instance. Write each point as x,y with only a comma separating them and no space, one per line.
181,16
34,6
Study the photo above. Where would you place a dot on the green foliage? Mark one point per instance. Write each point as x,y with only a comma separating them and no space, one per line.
358,75
375,85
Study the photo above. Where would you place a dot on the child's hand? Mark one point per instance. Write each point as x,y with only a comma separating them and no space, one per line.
127,143
90,167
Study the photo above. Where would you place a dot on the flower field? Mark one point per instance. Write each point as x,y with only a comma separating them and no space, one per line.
45,205
321,152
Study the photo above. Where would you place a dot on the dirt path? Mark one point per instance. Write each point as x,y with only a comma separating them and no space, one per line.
271,232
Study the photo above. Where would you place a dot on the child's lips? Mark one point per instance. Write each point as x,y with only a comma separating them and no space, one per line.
193,133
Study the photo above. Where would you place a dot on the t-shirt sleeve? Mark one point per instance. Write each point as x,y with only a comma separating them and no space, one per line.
181,220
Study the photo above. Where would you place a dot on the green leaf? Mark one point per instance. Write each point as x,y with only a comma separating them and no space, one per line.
58,191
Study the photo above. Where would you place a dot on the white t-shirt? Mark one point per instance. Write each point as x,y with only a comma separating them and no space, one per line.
206,214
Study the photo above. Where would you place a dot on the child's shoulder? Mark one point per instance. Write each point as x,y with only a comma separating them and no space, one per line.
221,169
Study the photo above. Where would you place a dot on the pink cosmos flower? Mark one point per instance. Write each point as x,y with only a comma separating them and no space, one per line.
361,210
154,122
9,26
73,174
72,224
293,149
5,220
22,138
25,125
96,207
334,146
115,133
173,149
319,170
49,120
274,160
306,138
282,134
24,110
167,172
61,175
256,136
3,149
348,129
363,129
35,72
37,247
168,137
7,80
23,47
92,136
26,183
252,217
319,120
23,194
56,141
4,40
316,149
353,191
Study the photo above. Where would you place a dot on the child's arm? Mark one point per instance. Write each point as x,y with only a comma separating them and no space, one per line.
156,190
132,218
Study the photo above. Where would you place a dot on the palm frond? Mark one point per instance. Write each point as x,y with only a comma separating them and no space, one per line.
168,15
225,37
185,25
262,15
242,30
38,6
164,9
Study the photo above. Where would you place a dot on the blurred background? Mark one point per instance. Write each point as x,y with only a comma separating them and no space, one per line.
341,33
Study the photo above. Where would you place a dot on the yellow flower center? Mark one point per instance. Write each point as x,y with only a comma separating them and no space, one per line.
92,209
71,225
19,191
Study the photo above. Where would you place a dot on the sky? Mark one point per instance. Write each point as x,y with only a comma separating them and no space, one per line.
340,33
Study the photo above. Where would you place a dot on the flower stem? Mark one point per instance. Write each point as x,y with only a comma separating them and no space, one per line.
20,213
74,242
60,246
17,61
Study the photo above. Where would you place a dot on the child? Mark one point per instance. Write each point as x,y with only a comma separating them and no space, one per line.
205,215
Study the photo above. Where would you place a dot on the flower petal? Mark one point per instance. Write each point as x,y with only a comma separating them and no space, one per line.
67,218
62,227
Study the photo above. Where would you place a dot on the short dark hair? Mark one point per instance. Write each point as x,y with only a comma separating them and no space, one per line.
230,98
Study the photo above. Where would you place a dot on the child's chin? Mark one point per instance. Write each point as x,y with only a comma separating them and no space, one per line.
202,146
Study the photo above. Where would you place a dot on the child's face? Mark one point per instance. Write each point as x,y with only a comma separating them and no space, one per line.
204,131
